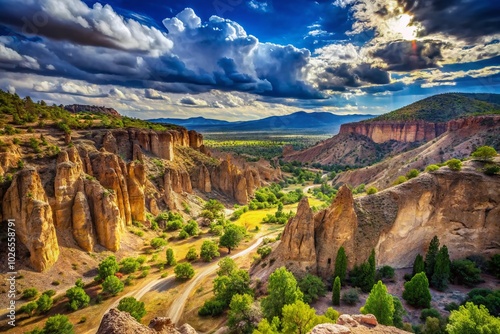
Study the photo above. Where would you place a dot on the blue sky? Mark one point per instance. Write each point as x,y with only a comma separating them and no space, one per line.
247,59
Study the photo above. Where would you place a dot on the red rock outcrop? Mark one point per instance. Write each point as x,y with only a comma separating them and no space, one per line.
462,208
200,179
26,202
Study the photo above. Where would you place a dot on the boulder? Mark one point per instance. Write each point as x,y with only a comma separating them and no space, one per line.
330,329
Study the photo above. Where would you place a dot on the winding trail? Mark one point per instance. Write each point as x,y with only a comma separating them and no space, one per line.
177,307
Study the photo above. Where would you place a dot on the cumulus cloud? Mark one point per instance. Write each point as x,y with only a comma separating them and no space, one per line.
191,101
153,94
410,55
11,59
74,21
69,87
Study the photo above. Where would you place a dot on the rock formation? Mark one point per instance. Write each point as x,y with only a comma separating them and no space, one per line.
462,208
26,202
75,108
356,324
117,322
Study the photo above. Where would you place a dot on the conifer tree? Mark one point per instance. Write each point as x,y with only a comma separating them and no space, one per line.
336,291
381,304
340,270
430,257
418,265
441,276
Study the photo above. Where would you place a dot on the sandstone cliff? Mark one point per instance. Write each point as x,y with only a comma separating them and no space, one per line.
117,322
26,202
462,208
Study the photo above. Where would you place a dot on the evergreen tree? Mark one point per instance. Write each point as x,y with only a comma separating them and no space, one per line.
441,276
340,265
418,265
417,292
373,270
430,257
336,291
381,304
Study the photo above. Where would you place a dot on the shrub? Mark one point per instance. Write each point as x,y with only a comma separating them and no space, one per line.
472,319
174,225
183,235
494,265
44,304
107,267
454,164
209,250
170,257
386,272
129,265
431,168
158,243
484,153
191,254
264,251
58,324
30,293
400,179
212,307
112,285
412,174
184,271
77,298
371,190
312,287
351,297
134,307
465,272
429,312
491,169
50,293
416,291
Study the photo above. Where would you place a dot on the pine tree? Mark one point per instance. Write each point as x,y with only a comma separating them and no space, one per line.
336,291
381,304
430,257
340,265
441,276
418,265
373,270
417,292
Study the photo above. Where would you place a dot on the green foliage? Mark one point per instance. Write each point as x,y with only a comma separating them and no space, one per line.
380,303
441,276
191,228
78,298
341,265
129,265
242,317
350,297
371,190
134,307
416,291
112,285
191,254
183,235
226,266
79,283
283,290
30,293
412,174
212,307
268,328
386,273
264,251
465,272
359,189
418,265
336,291
363,276
312,287
454,164
432,326
107,267
484,153
431,168
58,324
237,282
299,317
158,243
430,257
184,271
491,169
442,108
232,236
29,308
332,314
471,319
44,304
209,250
399,313
429,312
490,299
170,257
494,265
400,179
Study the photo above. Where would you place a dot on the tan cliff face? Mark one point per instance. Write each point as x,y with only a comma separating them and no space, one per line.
95,188
461,208
26,202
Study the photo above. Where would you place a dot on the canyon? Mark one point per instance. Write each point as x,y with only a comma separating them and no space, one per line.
462,208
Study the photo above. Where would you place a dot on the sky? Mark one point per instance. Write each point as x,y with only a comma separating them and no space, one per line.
247,59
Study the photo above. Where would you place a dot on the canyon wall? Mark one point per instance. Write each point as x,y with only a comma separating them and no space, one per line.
461,208
411,131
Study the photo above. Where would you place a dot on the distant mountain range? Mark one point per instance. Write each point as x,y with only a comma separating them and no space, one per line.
299,122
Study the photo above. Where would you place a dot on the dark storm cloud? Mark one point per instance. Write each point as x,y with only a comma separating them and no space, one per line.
339,78
394,87
464,19
410,55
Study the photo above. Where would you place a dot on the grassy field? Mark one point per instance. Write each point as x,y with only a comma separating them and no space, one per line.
267,146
